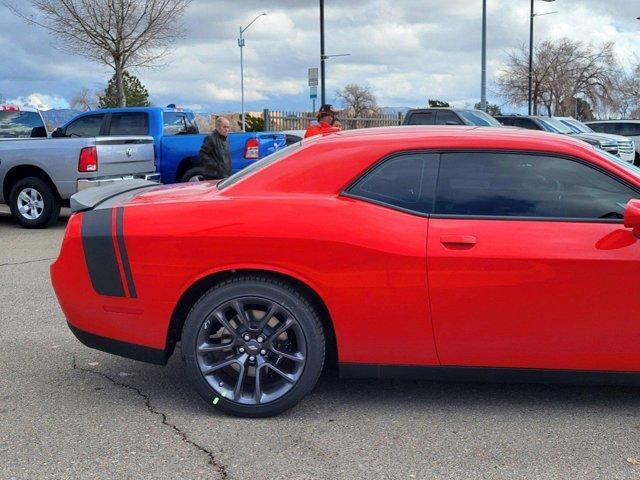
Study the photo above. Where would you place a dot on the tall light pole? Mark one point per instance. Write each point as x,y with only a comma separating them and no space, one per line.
322,55
483,73
531,49
241,45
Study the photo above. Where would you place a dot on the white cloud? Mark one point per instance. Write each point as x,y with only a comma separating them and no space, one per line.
41,101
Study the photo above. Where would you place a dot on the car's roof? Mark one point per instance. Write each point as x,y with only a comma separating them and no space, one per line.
446,132
613,121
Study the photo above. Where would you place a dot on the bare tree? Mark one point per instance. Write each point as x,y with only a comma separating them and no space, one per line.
121,34
84,100
562,72
357,101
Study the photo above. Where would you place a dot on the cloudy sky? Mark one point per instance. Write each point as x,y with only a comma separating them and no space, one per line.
405,50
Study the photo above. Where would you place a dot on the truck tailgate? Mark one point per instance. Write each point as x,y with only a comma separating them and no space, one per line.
125,155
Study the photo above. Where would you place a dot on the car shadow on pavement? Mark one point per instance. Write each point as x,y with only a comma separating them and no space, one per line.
168,386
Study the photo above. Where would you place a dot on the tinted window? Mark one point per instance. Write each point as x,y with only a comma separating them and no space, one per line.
134,123
525,123
421,118
602,127
505,120
628,129
20,125
501,184
406,181
179,123
87,126
444,116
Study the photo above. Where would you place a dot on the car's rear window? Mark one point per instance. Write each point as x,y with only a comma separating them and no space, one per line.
14,124
259,165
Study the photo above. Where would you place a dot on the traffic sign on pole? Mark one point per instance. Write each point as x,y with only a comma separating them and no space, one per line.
313,77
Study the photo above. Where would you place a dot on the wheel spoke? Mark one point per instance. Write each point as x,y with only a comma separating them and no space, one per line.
287,324
242,313
294,357
267,316
223,320
24,197
257,394
209,369
287,376
241,376
23,209
210,347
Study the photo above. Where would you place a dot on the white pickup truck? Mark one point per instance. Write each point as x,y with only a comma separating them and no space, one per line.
39,174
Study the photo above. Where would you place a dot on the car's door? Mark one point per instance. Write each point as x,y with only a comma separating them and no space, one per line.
530,266
384,218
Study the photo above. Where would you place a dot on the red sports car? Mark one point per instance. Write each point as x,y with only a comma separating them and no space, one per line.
447,252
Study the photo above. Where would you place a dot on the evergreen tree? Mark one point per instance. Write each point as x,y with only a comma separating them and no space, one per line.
135,93
437,103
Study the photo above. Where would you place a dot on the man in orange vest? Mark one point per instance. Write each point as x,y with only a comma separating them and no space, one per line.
326,118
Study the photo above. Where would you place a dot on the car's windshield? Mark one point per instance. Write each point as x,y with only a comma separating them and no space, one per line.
478,117
576,125
260,164
555,126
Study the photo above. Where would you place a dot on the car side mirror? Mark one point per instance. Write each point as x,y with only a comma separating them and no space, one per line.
632,216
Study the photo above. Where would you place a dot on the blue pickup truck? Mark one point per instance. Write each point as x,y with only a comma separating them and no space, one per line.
177,139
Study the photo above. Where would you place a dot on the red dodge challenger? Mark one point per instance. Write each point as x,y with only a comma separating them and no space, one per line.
445,252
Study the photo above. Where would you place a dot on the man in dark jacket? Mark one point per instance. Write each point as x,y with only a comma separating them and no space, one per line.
215,155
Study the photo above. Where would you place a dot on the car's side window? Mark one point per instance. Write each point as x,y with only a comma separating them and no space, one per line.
133,123
447,117
521,185
406,181
630,129
525,123
87,126
421,118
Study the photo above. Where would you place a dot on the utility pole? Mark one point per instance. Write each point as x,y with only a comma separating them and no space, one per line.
483,73
533,14
322,55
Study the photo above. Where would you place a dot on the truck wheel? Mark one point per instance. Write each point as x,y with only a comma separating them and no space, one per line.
33,203
194,174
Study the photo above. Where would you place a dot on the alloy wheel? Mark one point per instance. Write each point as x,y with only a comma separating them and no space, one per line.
251,350
30,203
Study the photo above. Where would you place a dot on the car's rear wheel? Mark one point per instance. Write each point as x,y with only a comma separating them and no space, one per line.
33,203
253,346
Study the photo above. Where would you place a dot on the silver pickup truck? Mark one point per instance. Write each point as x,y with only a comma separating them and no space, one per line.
38,174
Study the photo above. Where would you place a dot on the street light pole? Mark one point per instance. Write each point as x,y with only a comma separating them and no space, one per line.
483,73
532,14
322,54
241,45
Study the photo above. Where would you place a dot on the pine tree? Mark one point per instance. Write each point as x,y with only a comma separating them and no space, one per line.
136,94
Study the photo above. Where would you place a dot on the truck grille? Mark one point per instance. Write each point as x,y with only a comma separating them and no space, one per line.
626,146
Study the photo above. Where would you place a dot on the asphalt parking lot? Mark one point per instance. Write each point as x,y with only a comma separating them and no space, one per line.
70,412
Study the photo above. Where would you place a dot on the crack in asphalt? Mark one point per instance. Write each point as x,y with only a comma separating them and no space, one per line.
27,261
222,470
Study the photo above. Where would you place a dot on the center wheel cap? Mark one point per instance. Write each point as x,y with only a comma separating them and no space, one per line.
252,347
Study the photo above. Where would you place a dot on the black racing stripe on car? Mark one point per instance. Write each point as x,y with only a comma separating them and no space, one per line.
123,252
100,253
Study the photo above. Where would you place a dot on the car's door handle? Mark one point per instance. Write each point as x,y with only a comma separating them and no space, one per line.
458,239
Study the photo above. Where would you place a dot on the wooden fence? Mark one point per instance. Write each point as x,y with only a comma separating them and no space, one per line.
282,120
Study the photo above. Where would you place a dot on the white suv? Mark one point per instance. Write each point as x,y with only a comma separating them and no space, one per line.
627,128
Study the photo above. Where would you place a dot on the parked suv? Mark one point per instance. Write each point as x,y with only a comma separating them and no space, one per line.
626,146
449,116
627,128
550,124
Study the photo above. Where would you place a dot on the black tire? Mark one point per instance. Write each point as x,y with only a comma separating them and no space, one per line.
193,173
40,218
282,296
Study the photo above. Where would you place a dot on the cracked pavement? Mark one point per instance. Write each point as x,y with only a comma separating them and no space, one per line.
70,412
